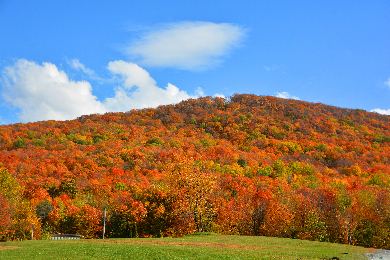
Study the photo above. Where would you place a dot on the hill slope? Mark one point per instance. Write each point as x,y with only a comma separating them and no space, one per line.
250,165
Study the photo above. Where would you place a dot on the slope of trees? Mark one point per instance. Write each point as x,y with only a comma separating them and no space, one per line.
250,165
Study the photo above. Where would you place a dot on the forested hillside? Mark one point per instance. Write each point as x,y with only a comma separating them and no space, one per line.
249,165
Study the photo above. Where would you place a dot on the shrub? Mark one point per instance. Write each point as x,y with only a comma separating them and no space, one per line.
98,138
381,139
39,142
19,143
79,141
216,119
30,135
154,141
321,147
266,171
43,209
242,117
206,143
242,163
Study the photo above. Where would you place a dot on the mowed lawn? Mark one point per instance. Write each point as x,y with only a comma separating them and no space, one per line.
204,246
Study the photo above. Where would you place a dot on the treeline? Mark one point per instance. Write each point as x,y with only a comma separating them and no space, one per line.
249,165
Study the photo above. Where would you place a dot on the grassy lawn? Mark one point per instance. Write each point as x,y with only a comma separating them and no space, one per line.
205,246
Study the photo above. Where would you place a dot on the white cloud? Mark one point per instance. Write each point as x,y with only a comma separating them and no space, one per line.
219,95
286,95
145,93
139,90
42,92
199,92
76,64
381,111
186,45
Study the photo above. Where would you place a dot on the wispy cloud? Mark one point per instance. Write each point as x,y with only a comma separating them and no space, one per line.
43,92
186,45
381,111
271,68
286,95
388,83
76,64
2,121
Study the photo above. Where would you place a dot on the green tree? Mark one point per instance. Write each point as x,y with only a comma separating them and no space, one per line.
19,143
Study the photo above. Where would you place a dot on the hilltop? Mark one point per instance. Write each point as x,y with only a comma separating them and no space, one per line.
247,165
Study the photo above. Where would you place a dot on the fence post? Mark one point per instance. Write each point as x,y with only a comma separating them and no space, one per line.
104,223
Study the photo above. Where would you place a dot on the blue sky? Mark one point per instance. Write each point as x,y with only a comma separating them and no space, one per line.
63,59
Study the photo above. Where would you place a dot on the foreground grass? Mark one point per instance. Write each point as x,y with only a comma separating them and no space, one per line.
205,246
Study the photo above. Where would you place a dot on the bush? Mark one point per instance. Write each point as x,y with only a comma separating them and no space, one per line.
255,135
68,187
291,146
43,209
97,139
79,141
321,147
19,143
30,135
242,117
242,163
120,186
381,139
155,142
206,143
122,227
266,171
39,142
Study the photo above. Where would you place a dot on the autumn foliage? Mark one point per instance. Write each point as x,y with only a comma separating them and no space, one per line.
249,165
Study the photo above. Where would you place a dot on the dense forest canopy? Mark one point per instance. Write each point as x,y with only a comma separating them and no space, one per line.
250,165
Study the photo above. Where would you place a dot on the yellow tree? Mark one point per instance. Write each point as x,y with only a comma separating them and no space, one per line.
194,184
20,215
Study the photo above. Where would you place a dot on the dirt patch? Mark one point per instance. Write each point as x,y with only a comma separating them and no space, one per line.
198,244
217,245
226,240
8,247
361,248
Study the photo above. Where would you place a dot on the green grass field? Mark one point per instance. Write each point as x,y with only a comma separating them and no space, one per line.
205,246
